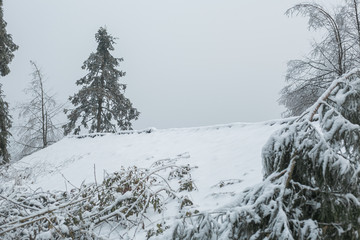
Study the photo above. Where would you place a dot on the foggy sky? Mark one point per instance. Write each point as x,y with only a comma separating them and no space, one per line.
187,63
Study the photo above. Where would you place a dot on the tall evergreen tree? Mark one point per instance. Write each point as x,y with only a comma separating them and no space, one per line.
5,125
100,103
7,47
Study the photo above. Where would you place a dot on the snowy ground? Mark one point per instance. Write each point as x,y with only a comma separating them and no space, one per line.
227,157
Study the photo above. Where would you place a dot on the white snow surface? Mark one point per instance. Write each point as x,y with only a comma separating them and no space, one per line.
220,153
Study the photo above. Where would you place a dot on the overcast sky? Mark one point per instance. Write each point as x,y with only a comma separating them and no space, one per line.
188,63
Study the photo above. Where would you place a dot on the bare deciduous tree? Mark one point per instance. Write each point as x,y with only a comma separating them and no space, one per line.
39,129
336,53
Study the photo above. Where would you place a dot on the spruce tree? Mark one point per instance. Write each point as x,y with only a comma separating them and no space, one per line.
7,47
100,105
5,125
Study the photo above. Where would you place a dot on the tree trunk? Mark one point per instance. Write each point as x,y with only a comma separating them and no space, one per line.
357,20
100,99
43,110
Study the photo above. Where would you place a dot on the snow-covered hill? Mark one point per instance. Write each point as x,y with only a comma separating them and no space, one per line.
228,156
196,183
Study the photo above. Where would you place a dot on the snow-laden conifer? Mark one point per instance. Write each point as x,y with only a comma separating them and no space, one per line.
126,203
5,125
311,178
100,105
7,47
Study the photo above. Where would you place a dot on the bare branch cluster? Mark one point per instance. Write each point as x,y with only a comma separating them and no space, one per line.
120,206
39,128
336,53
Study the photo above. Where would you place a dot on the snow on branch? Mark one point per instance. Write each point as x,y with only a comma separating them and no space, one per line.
120,206
311,178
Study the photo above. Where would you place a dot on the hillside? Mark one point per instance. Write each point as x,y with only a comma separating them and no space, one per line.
225,159
220,152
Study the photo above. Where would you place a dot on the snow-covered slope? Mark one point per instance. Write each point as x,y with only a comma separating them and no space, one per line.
226,155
